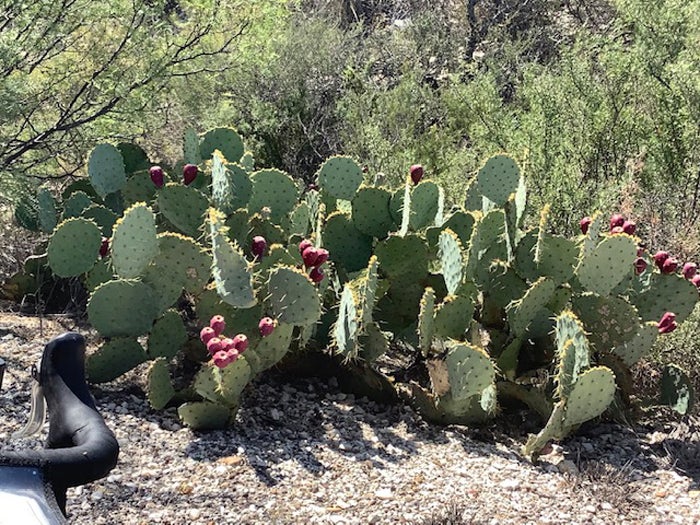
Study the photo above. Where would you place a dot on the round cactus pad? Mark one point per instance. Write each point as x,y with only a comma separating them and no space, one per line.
226,140
558,258
469,370
606,266
667,293
103,217
100,273
498,178
184,207
167,336
348,246
135,242
425,200
106,169
340,177
269,350
74,205
204,416
293,297
135,158
592,393
74,247
370,211
122,308
610,321
159,387
273,189
640,345
114,358
403,256
233,380
139,188
524,311
453,316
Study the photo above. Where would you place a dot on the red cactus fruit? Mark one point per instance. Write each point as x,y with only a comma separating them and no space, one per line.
240,343
218,324
667,324
259,246
221,359
689,270
616,220
266,326
233,354
616,230
585,223
316,274
670,265
416,172
640,265
214,345
659,258
104,247
189,173
309,256
696,280
227,344
322,256
303,245
157,176
206,334
629,227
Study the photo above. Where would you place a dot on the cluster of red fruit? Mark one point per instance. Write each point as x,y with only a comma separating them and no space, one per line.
313,258
618,224
225,350
189,173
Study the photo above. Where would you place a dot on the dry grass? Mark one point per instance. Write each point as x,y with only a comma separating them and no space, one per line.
17,244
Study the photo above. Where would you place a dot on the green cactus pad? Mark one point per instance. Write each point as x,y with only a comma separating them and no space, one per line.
525,263
523,312
502,284
74,247
640,345
444,410
184,207
273,189
346,328
498,178
491,243
100,273
677,389
593,236
231,185
558,257
247,162
453,316
405,257
27,213
469,370
104,218
134,157
203,415
348,246
666,293
573,359
47,212
114,358
209,303
106,169
340,177
552,430
426,321
293,297
226,140
271,349
370,211
122,308
460,222
232,274
368,292
608,264
592,393
159,388
82,184
373,343
277,254
190,147
135,242
473,198
139,188
76,204
569,328
237,224
167,336
300,220
234,378
451,260
611,321
207,383
425,200
257,225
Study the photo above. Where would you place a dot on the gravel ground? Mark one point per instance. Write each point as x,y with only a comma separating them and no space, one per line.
304,452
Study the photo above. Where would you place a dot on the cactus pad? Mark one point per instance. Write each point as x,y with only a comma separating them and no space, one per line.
451,260
426,321
269,350
573,358
74,247
293,297
346,328
677,389
167,336
114,358
453,316
226,140
76,204
122,308
611,321
498,178
191,147
184,207
133,156
340,177
135,242
524,311
47,212
159,388
405,257
234,379
100,273
469,369
666,293
640,345
607,265
203,415
558,257
348,246
103,217
592,393
370,211
106,169
273,189
425,200
368,291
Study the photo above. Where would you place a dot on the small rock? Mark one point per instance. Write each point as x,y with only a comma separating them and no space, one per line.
384,493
